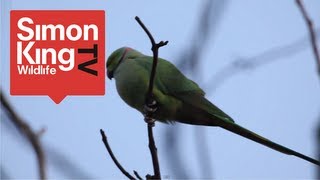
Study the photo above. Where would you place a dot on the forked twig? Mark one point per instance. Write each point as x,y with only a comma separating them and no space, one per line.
149,101
148,117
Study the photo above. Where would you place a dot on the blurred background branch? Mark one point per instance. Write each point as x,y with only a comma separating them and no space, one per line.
30,135
4,174
189,61
243,64
315,49
59,161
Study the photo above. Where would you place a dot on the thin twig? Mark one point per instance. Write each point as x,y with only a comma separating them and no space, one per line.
154,154
26,130
137,175
149,100
105,142
155,49
313,39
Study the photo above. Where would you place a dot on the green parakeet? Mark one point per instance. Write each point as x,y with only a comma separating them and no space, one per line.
178,98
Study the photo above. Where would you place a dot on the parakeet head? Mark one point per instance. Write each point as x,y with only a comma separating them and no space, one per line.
117,57
114,60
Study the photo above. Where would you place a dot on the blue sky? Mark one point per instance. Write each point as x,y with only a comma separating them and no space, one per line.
279,100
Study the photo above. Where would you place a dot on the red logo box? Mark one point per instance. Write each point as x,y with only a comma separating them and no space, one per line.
57,53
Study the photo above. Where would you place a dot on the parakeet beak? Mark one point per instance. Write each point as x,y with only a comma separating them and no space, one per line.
110,74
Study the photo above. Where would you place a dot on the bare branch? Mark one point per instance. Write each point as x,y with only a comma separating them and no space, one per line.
154,155
105,142
62,163
313,37
27,131
240,65
54,157
150,101
155,49
137,175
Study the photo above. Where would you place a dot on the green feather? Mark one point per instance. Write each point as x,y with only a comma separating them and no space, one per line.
178,98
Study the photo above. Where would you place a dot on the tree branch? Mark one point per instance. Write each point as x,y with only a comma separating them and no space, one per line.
243,64
137,175
26,130
155,49
105,142
313,37
150,101
154,155
54,157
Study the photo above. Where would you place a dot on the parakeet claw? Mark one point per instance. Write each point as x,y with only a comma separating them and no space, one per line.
150,107
149,120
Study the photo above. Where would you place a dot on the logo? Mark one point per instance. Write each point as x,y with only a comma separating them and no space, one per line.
57,53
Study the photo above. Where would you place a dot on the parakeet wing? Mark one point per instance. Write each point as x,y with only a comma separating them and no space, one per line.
172,82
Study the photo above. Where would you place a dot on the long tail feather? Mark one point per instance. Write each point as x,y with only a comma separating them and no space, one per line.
261,140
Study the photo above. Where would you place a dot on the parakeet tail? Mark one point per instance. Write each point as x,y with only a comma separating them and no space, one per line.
261,140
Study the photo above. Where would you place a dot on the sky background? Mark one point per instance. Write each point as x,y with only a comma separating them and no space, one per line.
279,100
